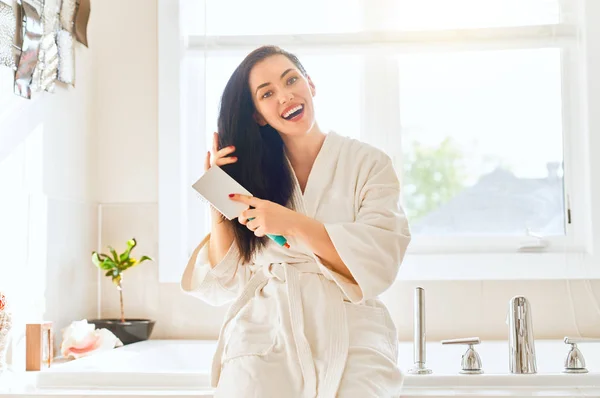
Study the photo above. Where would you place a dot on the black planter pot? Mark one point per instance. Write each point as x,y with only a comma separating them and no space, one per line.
130,331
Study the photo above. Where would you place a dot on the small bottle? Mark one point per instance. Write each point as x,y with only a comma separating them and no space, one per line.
39,348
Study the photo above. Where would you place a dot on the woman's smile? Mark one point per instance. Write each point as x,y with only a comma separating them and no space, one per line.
293,113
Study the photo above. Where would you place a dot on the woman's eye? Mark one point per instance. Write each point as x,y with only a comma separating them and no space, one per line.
292,80
267,94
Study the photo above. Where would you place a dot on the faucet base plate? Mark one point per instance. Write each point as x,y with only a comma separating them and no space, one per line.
471,372
419,369
576,370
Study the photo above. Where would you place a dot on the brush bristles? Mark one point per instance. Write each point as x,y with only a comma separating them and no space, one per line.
211,206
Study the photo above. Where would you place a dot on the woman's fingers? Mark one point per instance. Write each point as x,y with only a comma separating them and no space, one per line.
246,216
220,156
255,227
243,218
228,160
207,161
252,225
215,148
225,151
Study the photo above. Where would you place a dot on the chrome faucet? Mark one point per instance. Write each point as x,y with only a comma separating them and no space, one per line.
575,362
419,340
521,343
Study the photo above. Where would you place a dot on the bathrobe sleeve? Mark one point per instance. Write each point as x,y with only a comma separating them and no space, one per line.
218,285
374,245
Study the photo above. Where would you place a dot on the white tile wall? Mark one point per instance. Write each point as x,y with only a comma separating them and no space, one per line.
71,278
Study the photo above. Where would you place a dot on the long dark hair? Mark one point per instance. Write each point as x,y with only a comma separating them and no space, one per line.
261,167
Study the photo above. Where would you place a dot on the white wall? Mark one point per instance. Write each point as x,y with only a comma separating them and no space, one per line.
60,283
127,183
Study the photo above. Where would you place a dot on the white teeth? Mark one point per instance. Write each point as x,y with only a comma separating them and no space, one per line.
294,109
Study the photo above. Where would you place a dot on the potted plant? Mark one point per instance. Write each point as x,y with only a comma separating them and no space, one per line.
128,330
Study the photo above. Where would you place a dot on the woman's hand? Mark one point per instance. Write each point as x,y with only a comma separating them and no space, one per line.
267,217
219,156
271,218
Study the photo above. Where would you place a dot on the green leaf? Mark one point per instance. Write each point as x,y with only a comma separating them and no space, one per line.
129,263
131,243
144,258
113,272
114,253
107,264
123,265
96,259
102,261
116,264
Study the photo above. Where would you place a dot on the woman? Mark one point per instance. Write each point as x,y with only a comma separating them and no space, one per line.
305,320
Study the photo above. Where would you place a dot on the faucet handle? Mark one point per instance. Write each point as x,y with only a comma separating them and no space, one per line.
577,340
471,362
575,362
465,340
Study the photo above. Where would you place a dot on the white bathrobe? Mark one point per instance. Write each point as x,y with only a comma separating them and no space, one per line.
297,328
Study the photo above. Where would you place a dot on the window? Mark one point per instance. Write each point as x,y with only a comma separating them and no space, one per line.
490,161
477,102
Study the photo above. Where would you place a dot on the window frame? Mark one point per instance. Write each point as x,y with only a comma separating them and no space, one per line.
430,258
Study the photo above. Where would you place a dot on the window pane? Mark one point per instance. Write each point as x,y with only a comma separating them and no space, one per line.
482,140
338,86
218,72
270,17
455,14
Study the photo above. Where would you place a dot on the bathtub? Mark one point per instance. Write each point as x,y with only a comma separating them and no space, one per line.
181,368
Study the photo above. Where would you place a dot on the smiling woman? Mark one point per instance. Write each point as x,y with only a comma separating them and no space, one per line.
298,312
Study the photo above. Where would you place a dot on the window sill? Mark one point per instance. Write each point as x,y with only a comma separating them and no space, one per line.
481,267
498,266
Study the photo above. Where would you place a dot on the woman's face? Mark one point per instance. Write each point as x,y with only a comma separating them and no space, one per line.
282,96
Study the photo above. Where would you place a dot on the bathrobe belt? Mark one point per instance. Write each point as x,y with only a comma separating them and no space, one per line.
335,319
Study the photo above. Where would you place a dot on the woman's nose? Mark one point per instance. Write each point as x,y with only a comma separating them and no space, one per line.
285,97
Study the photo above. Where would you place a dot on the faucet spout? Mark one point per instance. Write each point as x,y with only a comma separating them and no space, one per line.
419,366
521,343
